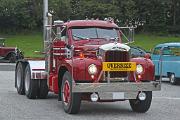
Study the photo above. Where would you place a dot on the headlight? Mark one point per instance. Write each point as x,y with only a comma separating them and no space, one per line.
139,68
92,69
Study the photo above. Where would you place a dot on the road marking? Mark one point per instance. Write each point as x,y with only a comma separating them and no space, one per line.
169,98
9,64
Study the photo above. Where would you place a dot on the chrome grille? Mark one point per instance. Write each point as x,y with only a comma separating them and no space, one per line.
117,56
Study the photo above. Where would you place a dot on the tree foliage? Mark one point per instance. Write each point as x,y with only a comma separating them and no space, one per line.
157,15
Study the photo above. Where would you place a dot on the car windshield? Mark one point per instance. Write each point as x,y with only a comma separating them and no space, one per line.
94,33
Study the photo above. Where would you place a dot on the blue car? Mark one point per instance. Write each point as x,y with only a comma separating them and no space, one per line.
167,64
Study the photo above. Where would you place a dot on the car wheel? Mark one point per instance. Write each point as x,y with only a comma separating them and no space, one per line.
19,79
172,79
12,58
43,89
157,77
71,101
142,106
31,86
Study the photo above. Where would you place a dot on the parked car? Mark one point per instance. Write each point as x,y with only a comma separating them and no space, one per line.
139,52
169,61
9,53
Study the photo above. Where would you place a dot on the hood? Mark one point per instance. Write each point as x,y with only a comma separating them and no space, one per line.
115,46
8,48
91,50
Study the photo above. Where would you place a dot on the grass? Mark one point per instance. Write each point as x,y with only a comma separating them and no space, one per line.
150,41
31,42
28,43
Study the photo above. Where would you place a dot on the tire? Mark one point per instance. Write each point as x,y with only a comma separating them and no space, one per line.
157,77
141,106
71,101
172,79
43,89
19,79
12,58
31,86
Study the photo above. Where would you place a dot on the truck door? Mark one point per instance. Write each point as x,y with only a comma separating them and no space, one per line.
166,60
170,61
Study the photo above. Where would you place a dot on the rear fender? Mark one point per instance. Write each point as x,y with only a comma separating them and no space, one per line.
37,69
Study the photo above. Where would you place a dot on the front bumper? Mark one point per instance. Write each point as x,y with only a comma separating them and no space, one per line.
116,91
116,87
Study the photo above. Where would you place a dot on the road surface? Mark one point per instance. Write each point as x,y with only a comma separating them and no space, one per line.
165,104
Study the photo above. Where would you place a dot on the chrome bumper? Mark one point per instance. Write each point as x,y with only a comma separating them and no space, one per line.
116,87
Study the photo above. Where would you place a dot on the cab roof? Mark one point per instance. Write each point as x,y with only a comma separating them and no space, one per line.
90,23
169,44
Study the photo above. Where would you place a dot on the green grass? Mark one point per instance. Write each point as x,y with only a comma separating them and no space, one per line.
31,42
150,41
28,43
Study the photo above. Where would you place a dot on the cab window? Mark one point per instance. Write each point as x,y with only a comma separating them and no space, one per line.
157,51
64,35
167,51
175,51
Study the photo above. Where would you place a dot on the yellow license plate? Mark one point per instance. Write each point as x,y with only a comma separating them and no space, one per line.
119,66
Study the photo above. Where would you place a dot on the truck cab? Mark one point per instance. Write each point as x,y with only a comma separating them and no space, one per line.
166,58
86,60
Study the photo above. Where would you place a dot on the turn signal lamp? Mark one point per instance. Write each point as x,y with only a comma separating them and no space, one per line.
81,55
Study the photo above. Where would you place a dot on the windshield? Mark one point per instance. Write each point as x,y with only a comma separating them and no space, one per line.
94,33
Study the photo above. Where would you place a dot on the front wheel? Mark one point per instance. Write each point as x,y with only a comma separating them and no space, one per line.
173,79
71,101
142,106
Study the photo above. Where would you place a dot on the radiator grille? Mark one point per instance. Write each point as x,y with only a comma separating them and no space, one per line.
117,56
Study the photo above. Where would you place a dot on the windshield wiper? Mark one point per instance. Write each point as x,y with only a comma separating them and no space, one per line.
115,39
81,37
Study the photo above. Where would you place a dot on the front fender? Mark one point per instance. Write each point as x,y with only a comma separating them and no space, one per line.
148,72
78,67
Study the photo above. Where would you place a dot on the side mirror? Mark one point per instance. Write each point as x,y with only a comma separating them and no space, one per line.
147,55
58,24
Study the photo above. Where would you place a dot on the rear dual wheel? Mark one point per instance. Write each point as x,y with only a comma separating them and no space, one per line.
34,88
43,89
19,78
31,86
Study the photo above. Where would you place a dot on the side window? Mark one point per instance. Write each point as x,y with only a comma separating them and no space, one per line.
167,51
157,51
64,36
135,51
175,51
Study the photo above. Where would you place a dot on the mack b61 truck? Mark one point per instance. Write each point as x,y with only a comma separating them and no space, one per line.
86,60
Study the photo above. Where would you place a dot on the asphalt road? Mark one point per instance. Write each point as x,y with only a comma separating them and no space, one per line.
165,105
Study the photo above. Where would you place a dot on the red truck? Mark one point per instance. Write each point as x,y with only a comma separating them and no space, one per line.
10,54
86,60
